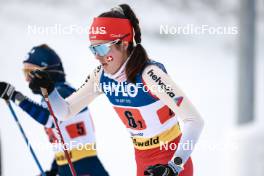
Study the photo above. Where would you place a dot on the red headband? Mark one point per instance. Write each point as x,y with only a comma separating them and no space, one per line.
105,28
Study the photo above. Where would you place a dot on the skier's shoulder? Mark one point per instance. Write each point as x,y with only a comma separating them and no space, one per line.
97,72
95,76
154,65
64,89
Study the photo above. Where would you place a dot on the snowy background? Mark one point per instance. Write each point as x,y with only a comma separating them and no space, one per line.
204,66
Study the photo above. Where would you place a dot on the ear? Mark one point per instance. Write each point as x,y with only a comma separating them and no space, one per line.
125,44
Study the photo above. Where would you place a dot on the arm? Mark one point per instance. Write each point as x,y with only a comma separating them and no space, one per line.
173,97
39,112
33,109
66,108
36,111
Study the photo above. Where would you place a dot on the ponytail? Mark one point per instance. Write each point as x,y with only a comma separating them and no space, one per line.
138,55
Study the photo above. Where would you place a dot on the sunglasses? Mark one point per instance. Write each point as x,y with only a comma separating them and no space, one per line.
103,49
27,70
50,68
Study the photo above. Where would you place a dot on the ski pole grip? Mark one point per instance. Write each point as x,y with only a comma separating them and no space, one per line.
45,95
44,92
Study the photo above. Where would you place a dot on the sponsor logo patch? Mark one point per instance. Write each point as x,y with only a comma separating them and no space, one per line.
164,86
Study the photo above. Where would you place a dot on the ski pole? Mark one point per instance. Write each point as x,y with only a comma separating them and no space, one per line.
25,137
45,95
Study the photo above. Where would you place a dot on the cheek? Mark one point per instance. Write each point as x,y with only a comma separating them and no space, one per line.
27,78
114,56
109,58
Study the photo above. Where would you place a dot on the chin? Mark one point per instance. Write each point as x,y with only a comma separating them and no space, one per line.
108,71
37,92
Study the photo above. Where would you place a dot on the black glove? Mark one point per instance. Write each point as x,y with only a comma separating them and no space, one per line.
51,173
160,169
6,90
41,79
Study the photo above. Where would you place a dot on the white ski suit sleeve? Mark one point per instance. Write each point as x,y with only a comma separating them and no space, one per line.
192,121
66,108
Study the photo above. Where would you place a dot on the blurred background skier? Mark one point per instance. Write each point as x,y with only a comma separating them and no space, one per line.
77,131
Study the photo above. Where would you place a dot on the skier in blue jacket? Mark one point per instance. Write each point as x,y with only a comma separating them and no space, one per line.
77,131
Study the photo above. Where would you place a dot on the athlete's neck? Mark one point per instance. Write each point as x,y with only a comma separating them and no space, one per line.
120,75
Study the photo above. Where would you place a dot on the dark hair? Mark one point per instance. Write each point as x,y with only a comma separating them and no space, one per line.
139,57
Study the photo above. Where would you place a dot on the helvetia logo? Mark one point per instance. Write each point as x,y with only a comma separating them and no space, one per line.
162,84
149,142
97,30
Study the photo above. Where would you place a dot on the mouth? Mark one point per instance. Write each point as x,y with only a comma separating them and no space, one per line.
104,64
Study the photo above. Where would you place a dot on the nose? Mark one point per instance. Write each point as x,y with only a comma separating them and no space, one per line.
28,78
98,57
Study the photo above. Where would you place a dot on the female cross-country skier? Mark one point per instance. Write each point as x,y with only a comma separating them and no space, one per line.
142,93
78,131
